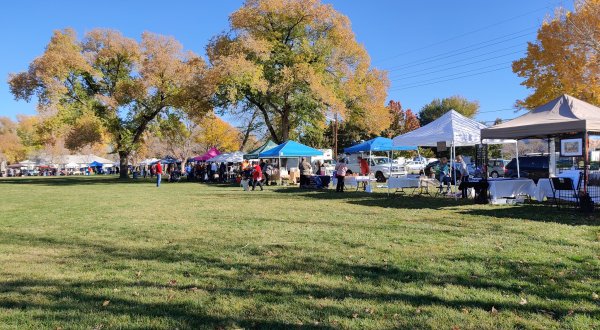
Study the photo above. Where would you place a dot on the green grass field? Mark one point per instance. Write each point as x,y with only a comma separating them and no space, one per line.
96,253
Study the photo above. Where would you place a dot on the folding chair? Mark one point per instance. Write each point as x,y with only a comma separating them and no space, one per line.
564,192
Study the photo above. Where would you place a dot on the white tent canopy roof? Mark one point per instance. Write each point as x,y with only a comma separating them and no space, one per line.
229,157
452,128
148,161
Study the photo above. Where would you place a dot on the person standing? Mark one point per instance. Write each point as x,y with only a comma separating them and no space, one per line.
267,172
222,171
257,177
464,173
340,174
364,166
159,172
305,172
213,171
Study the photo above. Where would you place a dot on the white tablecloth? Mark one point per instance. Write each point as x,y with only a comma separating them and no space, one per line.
353,181
511,188
543,190
399,183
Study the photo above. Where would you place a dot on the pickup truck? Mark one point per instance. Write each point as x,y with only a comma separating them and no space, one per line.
378,166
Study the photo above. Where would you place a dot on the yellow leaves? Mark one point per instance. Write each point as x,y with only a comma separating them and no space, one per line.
86,131
564,59
102,46
215,132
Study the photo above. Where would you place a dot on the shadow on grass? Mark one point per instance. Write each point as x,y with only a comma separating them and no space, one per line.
265,280
75,297
531,212
377,199
540,213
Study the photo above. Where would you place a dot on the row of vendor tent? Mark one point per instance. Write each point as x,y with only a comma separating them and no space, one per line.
65,161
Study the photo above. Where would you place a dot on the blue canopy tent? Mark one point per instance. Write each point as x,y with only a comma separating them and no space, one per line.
379,144
290,149
376,144
96,164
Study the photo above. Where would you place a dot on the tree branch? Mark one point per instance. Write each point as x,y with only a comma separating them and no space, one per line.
265,114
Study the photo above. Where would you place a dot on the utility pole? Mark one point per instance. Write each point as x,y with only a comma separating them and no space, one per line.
335,137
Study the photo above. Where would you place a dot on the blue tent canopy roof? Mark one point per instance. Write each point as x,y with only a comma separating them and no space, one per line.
95,164
290,149
376,144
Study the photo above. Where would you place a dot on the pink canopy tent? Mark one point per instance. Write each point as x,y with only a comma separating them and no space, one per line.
208,155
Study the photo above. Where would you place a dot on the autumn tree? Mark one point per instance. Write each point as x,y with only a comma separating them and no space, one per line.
565,57
294,61
215,132
179,133
11,148
439,107
125,84
403,121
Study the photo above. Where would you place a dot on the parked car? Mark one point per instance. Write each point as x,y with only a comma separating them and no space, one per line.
433,167
414,166
378,166
31,172
532,167
496,167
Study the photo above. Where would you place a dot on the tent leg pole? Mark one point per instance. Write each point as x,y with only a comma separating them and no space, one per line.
518,167
454,167
390,155
586,162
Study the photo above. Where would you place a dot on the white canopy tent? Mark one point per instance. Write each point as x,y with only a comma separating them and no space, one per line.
148,161
229,157
452,130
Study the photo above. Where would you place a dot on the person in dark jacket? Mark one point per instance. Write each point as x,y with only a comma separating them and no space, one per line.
305,172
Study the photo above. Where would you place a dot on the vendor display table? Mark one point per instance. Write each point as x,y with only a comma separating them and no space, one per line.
500,188
318,182
543,190
354,181
414,183
480,189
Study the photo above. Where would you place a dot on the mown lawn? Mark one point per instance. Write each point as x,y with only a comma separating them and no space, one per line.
95,253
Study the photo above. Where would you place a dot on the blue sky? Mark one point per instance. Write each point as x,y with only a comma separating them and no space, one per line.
432,49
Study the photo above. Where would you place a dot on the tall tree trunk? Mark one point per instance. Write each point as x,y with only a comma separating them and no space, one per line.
123,165
249,130
285,124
